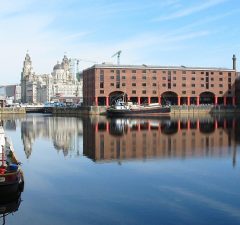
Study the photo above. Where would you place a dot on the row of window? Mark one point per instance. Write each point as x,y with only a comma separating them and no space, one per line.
155,92
169,72
163,85
165,78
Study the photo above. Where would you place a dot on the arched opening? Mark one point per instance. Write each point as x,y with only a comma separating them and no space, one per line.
169,127
207,127
114,96
169,98
207,98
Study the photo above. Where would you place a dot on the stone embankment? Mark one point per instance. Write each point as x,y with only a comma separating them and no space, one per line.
12,110
175,110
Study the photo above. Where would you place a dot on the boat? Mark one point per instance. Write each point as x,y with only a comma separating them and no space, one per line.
11,175
128,109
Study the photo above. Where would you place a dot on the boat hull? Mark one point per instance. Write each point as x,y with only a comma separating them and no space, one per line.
142,112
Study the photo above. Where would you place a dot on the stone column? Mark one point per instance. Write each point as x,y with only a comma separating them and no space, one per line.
159,100
198,98
224,100
149,100
139,102
234,100
96,101
179,100
188,100
107,101
215,100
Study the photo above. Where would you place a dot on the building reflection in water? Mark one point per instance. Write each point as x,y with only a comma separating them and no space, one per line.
120,139
63,132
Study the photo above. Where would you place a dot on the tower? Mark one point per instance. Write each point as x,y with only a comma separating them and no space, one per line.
234,62
25,77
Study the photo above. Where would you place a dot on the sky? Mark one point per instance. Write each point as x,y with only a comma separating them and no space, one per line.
202,33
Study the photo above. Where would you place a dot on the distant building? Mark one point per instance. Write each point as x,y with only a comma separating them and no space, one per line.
60,85
12,92
176,85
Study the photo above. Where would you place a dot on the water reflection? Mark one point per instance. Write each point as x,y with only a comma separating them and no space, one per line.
9,204
121,139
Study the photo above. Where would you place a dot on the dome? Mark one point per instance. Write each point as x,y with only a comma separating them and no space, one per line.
58,66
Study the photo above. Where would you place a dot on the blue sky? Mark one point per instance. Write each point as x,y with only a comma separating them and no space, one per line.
169,32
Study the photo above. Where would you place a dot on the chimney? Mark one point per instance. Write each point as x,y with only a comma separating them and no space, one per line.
234,62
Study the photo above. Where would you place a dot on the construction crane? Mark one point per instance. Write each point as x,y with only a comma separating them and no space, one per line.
118,56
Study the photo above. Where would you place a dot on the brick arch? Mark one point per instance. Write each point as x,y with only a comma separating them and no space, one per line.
207,97
169,97
114,96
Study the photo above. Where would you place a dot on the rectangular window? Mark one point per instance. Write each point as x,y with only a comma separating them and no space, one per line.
193,72
144,91
101,91
183,85
134,71
163,78
193,85
112,84
183,72
154,84
133,91
183,92
163,72
154,78
101,71
112,71
220,85
202,85
220,79
212,79
144,84
220,73
117,85
212,85
154,92
101,85
202,72
111,77
212,73
202,78
133,77
193,78
229,80
229,74
123,77
123,71
174,78
144,77
144,71
164,85
101,77
220,92
123,84
174,72
184,78
134,84
174,85
193,92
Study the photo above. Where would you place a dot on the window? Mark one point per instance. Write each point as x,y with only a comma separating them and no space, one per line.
212,85
133,91
183,85
164,85
101,91
193,85
134,77
163,72
202,85
134,71
112,84
144,91
154,92
183,72
229,79
212,73
184,78
134,84
164,78
229,74
144,84
220,73
154,78
101,77
101,71
123,71
193,78
174,85
174,72
154,84
123,84
144,77
183,92
118,85
154,71
202,72
101,85
143,71
193,92
220,92
123,77
220,79
112,71
112,77
212,79
193,72
220,85
202,78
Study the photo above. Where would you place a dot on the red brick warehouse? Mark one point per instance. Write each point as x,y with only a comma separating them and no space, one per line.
104,83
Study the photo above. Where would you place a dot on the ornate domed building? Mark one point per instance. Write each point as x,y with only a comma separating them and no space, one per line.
60,85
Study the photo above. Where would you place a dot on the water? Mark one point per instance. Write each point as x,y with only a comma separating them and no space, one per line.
144,171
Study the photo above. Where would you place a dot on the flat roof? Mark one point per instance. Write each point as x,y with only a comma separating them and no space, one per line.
152,67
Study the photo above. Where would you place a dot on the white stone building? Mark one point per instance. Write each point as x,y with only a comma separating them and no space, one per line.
60,85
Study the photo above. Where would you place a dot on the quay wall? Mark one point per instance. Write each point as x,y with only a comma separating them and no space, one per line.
175,110
12,110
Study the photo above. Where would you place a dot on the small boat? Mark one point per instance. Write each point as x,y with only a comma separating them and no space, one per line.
11,175
127,109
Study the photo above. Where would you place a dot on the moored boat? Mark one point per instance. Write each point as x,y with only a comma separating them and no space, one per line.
127,109
11,175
